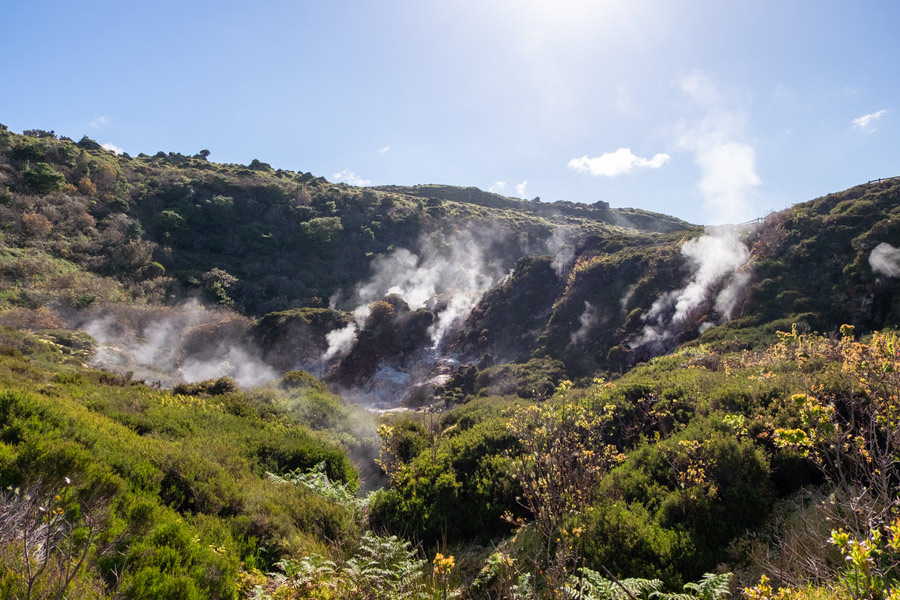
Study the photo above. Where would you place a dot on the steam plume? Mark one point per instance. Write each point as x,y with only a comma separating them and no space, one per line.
560,246
715,256
447,276
589,320
169,345
718,258
457,271
885,260
716,281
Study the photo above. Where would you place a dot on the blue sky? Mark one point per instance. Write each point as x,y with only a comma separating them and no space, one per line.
710,111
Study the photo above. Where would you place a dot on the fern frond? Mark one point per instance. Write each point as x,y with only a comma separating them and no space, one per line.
711,586
591,585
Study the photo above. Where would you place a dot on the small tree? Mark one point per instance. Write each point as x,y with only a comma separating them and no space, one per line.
217,283
45,537
43,179
565,454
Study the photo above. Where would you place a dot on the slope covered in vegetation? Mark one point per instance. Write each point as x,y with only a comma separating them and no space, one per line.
698,452
100,226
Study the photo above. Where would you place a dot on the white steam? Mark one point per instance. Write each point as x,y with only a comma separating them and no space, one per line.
448,277
718,259
730,295
340,341
520,189
885,260
231,361
456,272
458,307
560,246
150,349
626,297
715,257
170,345
588,321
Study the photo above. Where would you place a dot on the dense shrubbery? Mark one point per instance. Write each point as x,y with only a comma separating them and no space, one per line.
171,489
697,448
659,475
457,487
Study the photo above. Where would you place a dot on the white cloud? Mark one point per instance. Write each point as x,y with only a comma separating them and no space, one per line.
867,122
498,187
520,189
729,170
616,163
700,88
727,163
384,150
112,148
98,121
348,176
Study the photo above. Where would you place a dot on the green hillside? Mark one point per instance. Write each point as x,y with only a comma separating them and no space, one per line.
105,227
558,400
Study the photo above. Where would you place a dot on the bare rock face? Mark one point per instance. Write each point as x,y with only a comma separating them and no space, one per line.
392,337
430,388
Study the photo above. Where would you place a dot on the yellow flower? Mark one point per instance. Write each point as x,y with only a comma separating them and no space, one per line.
443,564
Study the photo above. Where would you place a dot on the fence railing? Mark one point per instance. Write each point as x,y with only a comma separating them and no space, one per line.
758,220
771,212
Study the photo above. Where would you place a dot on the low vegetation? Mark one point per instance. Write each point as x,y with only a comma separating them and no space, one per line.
681,468
563,457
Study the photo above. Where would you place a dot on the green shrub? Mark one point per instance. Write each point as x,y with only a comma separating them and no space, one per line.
208,387
458,489
44,179
301,379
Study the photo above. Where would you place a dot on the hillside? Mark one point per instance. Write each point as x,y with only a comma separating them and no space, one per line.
86,230
602,394
158,225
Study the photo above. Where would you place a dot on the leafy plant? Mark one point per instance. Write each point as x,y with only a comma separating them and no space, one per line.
384,567
564,454
591,585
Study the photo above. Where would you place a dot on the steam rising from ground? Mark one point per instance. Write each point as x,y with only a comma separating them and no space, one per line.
448,276
170,345
728,174
588,321
340,341
885,260
560,246
232,361
715,258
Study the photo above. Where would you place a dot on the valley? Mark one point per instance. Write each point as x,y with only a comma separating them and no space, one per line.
234,381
